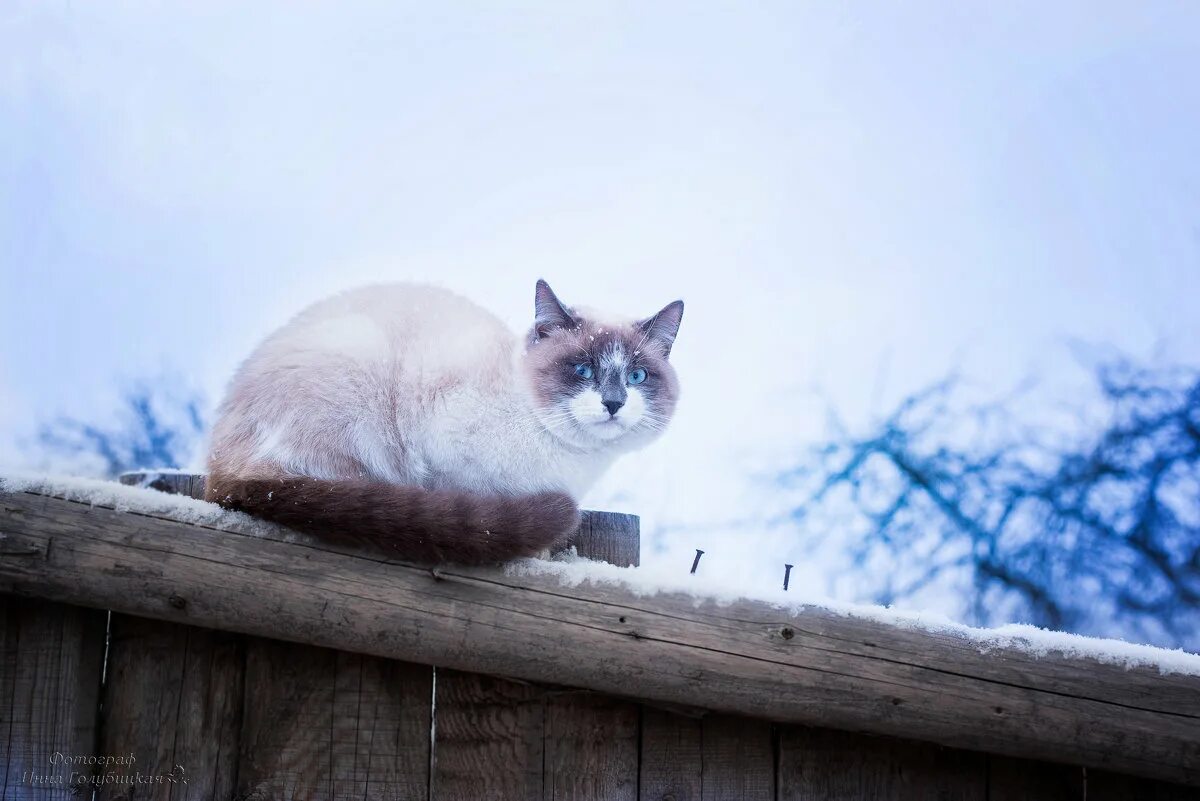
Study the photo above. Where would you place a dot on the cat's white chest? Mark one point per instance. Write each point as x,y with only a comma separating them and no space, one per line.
498,447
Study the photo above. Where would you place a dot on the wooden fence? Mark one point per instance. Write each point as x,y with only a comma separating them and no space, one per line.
252,667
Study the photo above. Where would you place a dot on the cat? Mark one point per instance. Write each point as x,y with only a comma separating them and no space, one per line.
408,418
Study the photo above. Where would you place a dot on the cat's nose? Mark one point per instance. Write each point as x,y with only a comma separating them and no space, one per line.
613,406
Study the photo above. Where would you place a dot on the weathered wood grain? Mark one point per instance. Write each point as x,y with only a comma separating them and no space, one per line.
321,724
815,667
819,765
739,759
1100,785
287,724
672,761
172,483
591,747
706,758
173,699
381,728
609,537
490,734
1030,780
50,663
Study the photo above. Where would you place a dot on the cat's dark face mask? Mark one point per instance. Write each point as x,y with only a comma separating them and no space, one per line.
594,382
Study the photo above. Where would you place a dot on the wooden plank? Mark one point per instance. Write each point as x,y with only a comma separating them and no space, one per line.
812,667
287,723
490,735
821,765
1105,786
381,718
709,758
50,671
591,747
739,759
672,760
173,699
11,763
1030,780
504,739
320,725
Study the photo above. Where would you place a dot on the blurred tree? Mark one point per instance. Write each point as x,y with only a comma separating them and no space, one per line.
1096,532
159,424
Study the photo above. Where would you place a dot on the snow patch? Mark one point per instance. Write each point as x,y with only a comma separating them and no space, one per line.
571,570
98,492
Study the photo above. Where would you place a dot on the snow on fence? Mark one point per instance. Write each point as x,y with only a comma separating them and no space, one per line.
242,660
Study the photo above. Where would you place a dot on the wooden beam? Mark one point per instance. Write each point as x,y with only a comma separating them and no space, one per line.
815,668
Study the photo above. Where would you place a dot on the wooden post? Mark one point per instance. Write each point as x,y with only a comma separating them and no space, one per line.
168,481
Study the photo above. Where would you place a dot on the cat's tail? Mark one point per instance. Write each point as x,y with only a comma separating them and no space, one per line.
411,523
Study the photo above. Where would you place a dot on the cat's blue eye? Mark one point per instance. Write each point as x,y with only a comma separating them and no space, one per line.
637,376
583,371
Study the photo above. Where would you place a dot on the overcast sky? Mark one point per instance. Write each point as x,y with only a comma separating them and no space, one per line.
852,198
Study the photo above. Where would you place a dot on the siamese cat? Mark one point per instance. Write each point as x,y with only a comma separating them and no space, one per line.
408,418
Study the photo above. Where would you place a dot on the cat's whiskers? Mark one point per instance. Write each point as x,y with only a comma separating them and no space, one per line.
535,424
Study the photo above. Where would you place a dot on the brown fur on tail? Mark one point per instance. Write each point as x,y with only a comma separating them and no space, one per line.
412,523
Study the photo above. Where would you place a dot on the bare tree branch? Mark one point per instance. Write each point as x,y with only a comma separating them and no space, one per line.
1099,536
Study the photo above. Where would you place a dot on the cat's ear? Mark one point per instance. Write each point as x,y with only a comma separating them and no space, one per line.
549,312
662,328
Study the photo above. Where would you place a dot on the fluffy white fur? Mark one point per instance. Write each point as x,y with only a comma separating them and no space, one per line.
411,385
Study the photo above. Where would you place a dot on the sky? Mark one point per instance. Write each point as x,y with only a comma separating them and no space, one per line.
852,199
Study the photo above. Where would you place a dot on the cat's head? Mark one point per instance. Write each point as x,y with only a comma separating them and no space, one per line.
597,381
